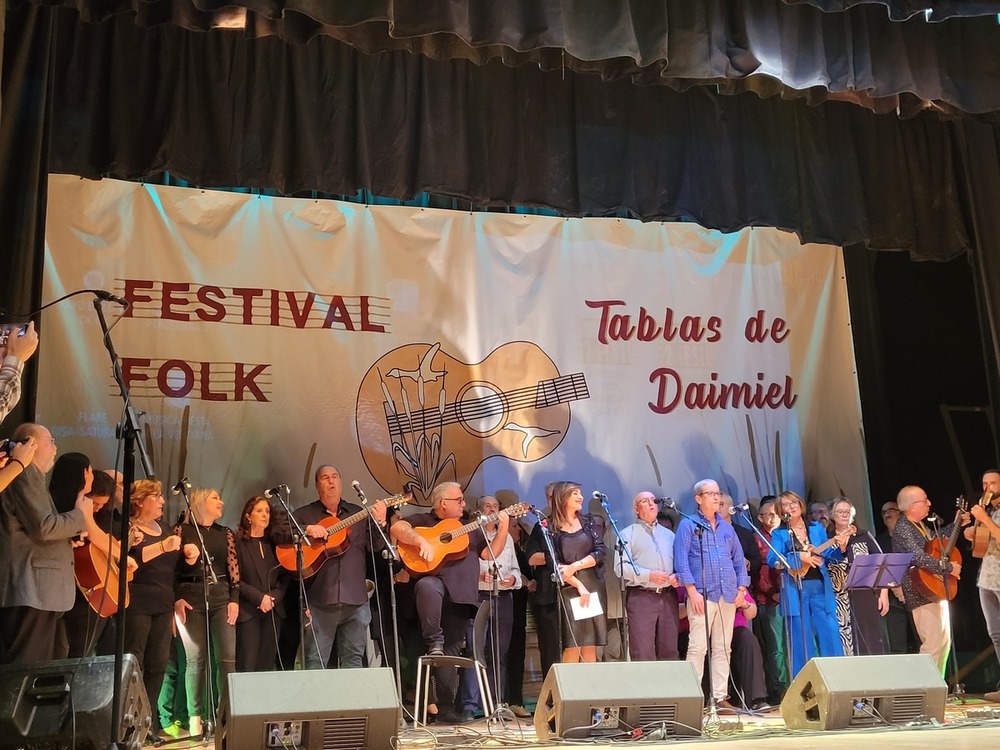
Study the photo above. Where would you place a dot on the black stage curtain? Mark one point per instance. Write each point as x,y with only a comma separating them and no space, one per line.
770,47
218,109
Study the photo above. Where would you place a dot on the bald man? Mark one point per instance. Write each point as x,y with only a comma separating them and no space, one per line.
930,616
651,594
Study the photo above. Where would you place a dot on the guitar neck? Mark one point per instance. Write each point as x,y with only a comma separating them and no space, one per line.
478,524
953,537
349,521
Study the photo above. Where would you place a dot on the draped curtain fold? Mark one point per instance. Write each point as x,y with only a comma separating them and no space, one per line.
770,47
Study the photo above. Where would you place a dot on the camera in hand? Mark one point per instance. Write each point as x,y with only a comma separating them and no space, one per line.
6,330
7,445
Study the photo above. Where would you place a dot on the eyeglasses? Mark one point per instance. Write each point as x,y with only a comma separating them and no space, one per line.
459,499
841,512
710,494
767,515
890,512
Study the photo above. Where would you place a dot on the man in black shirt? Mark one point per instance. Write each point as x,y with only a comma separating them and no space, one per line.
448,597
336,594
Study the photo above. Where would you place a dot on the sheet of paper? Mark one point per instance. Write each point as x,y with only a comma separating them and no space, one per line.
591,610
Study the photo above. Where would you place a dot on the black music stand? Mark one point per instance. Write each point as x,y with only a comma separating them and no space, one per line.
878,571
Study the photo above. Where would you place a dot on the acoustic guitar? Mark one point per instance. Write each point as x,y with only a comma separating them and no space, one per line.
981,534
936,585
317,551
797,545
424,416
450,540
97,577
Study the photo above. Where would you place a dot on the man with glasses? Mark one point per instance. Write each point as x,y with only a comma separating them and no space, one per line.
910,535
896,625
448,597
36,558
709,563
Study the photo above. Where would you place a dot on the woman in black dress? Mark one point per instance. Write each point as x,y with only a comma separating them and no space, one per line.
149,616
578,539
262,589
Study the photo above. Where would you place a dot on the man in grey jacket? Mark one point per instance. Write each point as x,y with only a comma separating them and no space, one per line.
36,557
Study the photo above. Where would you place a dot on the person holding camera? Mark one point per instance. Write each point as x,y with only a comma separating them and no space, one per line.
36,559
15,350
15,458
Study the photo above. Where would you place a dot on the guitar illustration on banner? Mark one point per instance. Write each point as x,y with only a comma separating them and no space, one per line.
425,417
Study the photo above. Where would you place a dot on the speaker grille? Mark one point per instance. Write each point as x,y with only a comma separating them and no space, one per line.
906,708
345,733
658,714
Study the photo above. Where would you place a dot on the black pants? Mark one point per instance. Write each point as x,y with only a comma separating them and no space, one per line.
257,643
443,623
516,654
149,638
548,629
27,635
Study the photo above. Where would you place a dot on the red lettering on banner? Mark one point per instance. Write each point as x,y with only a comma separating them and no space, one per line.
245,382
168,300
671,391
618,326
216,310
338,314
172,366
206,381
248,296
185,302
132,287
366,323
299,317
757,331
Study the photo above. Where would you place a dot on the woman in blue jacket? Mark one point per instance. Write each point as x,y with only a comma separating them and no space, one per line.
811,618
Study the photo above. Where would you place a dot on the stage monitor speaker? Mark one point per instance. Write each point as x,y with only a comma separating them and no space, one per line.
610,699
67,704
840,692
321,709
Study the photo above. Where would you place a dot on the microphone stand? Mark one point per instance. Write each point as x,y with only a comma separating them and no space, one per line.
298,539
494,594
130,432
559,580
782,560
699,529
209,577
623,551
390,553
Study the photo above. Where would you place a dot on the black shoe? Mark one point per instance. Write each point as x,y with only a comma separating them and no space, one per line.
449,716
467,715
435,650
761,706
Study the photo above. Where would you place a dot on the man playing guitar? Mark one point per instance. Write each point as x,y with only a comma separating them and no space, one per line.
911,535
448,597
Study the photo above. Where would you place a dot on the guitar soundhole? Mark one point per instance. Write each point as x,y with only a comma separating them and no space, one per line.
446,537
482,408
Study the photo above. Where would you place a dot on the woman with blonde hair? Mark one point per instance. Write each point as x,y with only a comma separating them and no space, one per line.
221,589
807,602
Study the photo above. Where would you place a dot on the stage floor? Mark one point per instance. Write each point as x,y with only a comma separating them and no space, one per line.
967,726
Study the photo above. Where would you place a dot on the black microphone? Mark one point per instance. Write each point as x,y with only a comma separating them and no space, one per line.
666,502
184,484
109,297
361,493
785,518
272,491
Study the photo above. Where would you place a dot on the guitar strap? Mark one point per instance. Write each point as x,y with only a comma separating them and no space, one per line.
922,529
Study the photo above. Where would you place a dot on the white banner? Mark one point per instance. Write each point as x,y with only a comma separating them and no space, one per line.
407,346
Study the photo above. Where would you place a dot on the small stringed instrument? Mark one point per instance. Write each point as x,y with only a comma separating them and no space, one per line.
450,540
936,585
803,569
981,538
97,577
316,551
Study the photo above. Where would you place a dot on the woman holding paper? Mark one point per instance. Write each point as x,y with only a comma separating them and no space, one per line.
578,540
